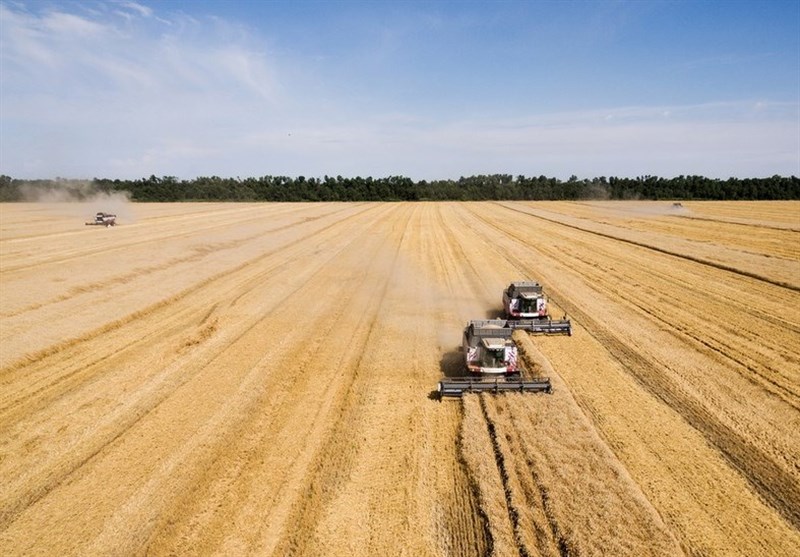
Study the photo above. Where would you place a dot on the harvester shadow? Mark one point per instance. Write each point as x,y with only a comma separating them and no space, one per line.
495,314
451,365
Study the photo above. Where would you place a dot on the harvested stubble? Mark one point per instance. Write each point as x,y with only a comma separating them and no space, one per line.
565,491
254,379
688,370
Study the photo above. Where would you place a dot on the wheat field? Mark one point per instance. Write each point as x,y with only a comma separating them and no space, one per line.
256,379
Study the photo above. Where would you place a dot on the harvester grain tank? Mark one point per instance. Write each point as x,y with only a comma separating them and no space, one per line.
489,349
490,358
103,219
525,306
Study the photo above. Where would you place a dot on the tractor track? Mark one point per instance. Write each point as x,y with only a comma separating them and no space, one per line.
761,375
332,463
240,290
108,251
526,501
772,482
444,255
633,213
26,360
169,234
243,447
550,538
774,240
749,224
180,375
266,391
46,216
776,485
511,504
665,251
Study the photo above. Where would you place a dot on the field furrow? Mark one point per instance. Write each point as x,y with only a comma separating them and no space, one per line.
765,267
259,379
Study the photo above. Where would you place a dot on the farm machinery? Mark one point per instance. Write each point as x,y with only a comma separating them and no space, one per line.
103,219
525,307
490,358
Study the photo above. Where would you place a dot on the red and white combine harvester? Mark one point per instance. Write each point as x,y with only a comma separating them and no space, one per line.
490,359
525,307
490,353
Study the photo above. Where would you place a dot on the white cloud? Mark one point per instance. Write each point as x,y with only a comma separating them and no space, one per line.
83,92
144,11
67,26
128,92
122,55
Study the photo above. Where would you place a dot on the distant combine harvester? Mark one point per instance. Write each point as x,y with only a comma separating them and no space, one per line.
103,219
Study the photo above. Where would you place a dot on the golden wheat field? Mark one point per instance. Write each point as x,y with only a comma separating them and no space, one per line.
256,379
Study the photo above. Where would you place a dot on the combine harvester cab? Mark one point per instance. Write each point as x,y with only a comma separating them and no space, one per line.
490,357
525,306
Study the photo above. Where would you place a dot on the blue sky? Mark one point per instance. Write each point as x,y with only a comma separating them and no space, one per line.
422,89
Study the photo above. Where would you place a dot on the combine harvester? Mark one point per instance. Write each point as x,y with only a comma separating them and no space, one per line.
103,219
525,307
490,357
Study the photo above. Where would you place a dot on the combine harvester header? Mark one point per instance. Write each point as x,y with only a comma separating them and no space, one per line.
458,386
544,326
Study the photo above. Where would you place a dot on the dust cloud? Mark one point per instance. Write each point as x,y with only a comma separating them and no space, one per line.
645,208
79,199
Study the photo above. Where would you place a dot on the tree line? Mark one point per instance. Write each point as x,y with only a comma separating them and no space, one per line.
398,188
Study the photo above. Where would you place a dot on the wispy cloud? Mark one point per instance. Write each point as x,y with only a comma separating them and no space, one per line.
71,82
137,8
124,90
180,55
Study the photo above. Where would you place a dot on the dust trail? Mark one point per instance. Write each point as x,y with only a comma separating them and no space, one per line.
644,208
79,199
